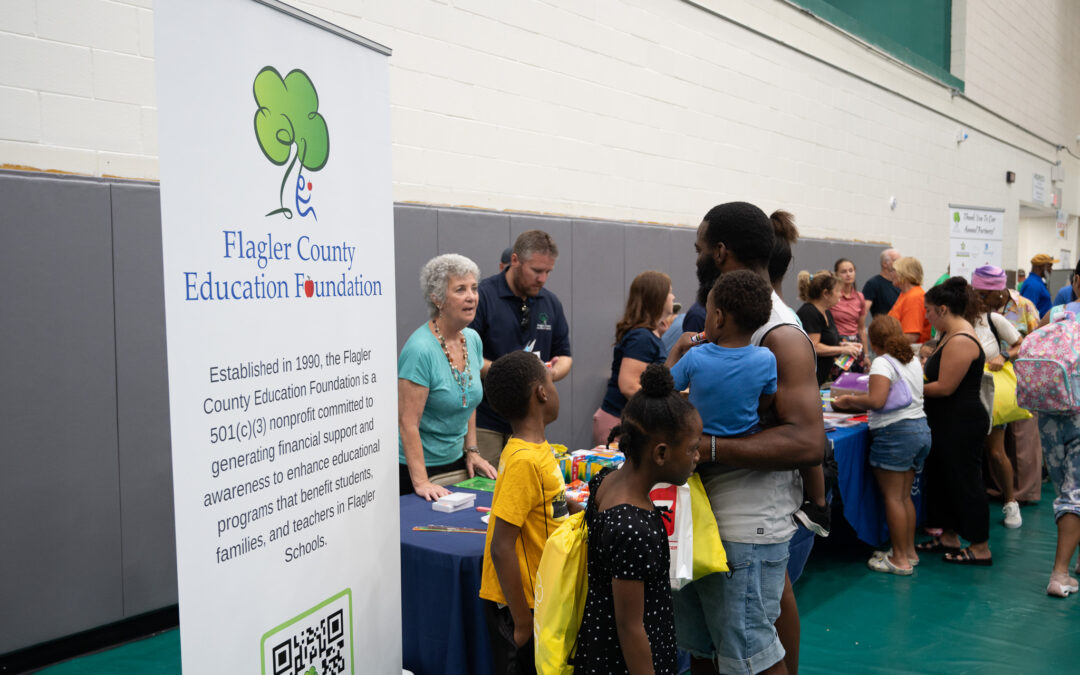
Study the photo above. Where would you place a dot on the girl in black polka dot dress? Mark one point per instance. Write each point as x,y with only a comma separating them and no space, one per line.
628,626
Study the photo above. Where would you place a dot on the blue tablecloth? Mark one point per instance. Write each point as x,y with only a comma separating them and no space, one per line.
443,628
863,507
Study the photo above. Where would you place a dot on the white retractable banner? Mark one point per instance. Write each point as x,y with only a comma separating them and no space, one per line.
277,234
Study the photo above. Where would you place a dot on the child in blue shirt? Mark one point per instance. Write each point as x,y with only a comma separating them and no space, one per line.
732,381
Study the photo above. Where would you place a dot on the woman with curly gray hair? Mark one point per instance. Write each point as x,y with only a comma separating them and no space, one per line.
439,382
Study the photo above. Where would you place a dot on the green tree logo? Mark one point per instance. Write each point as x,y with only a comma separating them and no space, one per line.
288,116
956,216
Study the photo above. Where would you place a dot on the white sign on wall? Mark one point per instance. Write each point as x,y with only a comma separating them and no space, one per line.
975,240
1038,188
277,233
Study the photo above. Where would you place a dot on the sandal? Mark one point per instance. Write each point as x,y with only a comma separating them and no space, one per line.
966,557
888,554
883,565
935,546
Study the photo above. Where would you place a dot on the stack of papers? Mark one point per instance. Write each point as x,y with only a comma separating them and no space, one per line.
455,501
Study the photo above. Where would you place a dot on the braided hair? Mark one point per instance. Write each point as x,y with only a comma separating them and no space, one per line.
655,413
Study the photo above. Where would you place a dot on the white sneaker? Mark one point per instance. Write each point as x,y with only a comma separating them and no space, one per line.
1012,515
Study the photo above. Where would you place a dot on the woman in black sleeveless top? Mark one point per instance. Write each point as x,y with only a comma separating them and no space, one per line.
956,497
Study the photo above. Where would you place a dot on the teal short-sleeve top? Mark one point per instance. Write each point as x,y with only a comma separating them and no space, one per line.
445,420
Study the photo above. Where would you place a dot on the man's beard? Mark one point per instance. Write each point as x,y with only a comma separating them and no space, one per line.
707,274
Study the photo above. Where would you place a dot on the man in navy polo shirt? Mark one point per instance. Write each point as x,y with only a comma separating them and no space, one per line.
516,312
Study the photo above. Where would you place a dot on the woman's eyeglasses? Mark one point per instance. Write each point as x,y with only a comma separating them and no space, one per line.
524,315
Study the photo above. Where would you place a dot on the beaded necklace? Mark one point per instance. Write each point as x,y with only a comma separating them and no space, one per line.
463,377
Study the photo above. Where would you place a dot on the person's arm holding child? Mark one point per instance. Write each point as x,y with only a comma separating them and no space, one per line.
798,438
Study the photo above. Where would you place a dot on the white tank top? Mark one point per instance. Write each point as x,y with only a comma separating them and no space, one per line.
755,507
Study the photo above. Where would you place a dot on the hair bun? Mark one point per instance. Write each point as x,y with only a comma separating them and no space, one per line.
955,282
656,381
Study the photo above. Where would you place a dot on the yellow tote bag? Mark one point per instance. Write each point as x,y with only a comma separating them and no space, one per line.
559,599
693,538
1006,408
709,554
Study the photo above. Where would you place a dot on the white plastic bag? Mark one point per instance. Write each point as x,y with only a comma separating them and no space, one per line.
679,523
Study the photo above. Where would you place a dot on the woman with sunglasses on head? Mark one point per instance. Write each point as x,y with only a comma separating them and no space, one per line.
637,344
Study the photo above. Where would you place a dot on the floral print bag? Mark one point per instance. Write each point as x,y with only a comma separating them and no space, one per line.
1048,367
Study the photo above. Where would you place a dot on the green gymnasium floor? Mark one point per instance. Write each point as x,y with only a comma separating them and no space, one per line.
944,619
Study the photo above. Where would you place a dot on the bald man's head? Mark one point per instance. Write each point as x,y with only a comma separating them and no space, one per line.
888,257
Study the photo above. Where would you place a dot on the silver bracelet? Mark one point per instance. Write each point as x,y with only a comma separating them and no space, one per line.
472,448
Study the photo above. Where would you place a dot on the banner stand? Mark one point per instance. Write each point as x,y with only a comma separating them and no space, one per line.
278,246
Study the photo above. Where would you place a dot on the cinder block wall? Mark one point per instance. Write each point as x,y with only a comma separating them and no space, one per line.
628,110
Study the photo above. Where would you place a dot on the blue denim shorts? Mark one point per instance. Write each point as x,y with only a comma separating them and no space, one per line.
900,446
729,616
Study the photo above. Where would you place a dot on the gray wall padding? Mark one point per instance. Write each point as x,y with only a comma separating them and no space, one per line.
142,391
86,486
60,571
814,255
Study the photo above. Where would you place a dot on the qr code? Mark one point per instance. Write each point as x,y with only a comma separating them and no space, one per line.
315,643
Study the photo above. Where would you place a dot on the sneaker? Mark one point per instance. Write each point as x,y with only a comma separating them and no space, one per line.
1012,515
1061,585
814,518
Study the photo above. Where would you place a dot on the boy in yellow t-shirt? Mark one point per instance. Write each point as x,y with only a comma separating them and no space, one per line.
528,504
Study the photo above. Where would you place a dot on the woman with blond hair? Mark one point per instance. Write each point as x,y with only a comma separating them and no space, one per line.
909,308
820,293
637,344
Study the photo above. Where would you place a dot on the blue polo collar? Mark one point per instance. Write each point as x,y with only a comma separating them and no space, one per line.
504,288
